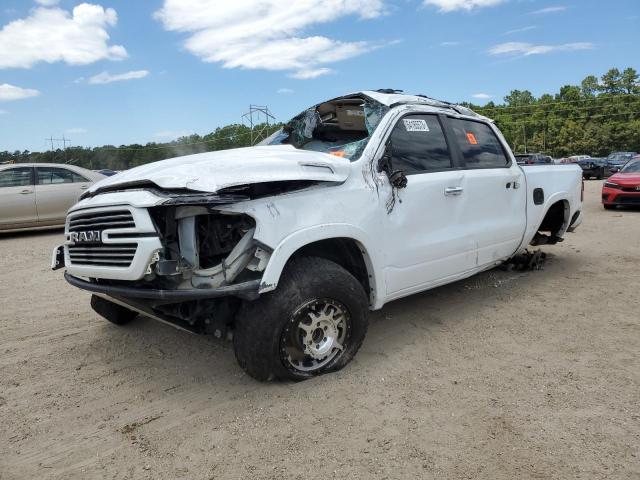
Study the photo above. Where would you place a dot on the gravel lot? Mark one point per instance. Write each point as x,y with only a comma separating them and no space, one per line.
502,376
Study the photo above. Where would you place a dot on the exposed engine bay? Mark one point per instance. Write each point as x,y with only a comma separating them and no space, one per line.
203,250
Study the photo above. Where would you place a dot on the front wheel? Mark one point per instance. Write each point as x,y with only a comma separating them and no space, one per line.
313,323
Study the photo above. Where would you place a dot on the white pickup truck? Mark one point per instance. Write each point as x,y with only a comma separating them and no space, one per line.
286,246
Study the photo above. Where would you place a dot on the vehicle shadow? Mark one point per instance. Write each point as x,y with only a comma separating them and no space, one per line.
165,356
9,235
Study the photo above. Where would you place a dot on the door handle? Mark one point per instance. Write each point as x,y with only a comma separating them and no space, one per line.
26,192
84,187
453,191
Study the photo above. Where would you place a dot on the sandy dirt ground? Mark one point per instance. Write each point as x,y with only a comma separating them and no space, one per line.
506,375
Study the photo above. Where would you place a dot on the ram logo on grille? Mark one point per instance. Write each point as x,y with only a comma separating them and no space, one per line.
92,236
85,242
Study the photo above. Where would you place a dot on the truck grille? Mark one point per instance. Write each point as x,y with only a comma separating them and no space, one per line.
102,254
116,255
101,221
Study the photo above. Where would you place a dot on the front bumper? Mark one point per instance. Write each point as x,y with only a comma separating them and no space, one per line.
614,196
246,290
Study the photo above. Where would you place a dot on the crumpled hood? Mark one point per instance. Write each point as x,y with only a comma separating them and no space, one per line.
214,171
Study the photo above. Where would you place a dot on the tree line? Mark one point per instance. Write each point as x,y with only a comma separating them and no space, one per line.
597,117
124,157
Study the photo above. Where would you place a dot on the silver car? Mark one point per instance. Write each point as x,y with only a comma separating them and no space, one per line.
38,195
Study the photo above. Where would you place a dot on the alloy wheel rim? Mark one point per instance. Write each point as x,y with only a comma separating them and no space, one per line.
315,335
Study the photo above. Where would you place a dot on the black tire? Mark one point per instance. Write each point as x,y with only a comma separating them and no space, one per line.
265,328
609,207
112,312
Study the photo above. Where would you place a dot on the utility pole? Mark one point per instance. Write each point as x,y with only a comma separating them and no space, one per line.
64,141
254,116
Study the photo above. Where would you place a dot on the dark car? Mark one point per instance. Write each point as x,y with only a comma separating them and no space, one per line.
617,160
533,159
593,167
107,172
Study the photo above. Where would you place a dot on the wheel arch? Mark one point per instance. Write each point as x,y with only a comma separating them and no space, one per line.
556,217
343,244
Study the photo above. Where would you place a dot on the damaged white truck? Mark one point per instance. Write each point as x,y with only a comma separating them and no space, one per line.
286,246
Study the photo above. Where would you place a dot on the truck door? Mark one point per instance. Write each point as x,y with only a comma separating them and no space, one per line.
426,241
494,191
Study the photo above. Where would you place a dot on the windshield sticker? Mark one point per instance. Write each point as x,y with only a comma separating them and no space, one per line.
472,138
415,125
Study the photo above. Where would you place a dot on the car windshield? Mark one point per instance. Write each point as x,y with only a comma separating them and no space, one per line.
620,157
340,127
631,167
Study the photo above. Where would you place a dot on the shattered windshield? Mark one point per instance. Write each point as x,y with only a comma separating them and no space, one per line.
340,127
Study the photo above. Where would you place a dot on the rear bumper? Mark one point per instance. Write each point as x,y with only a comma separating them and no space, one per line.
246,290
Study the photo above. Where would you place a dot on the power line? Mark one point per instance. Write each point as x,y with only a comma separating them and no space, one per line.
556,102
546,120
557,111
215,141
256,111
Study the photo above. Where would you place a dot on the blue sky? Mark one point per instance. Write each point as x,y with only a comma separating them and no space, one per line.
121,71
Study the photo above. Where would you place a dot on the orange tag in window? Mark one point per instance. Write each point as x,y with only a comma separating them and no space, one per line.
337,153
472,138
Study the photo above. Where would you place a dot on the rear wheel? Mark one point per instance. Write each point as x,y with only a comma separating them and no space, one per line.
314,323
112,312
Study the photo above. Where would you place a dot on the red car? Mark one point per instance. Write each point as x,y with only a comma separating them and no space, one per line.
623,188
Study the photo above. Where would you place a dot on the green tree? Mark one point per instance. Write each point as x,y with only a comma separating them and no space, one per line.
629,81
611,82
590,86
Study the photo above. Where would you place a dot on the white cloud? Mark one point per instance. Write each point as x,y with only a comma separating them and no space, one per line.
520,30
47,3
482,96
11,92
526,49
452,5
76,131
106,77
267,35
3,112
311,73
284,91
55,35
544,11
449,44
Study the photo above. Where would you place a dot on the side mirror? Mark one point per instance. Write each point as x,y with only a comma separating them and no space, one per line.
397,178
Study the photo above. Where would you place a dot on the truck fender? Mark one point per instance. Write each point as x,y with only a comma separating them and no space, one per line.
555,198
293,242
